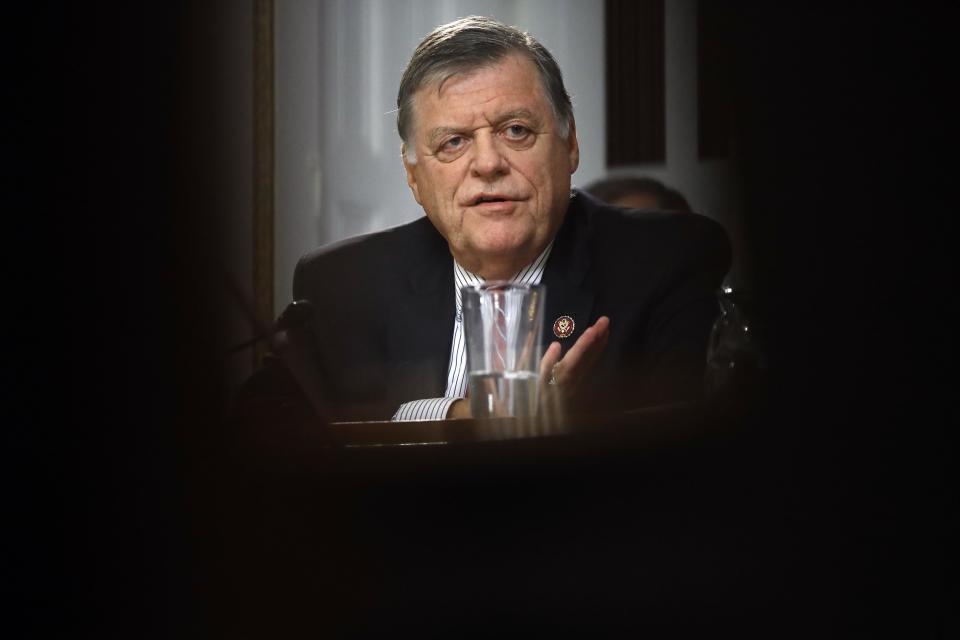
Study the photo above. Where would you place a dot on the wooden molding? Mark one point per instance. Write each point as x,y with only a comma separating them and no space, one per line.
714,116
636,129
263,165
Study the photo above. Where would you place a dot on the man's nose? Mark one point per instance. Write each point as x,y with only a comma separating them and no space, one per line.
488,161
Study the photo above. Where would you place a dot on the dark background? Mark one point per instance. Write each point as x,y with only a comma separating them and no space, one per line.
844,135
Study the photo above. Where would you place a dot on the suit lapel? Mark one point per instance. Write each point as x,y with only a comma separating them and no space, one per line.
568,289
420,328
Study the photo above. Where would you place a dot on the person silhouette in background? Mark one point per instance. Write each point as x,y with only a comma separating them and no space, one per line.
636,192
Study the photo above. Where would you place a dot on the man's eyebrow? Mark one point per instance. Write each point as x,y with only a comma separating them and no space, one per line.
522,114
439,132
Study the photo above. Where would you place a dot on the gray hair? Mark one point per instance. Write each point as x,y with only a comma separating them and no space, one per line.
467,44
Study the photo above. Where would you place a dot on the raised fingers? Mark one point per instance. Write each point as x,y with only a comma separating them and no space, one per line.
582,356
547,362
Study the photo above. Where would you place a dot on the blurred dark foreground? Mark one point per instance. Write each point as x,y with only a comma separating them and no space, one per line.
823,509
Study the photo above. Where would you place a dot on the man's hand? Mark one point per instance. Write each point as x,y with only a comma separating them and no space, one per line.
560,379
459,409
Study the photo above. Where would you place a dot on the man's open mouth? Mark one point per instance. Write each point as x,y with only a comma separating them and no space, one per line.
483,199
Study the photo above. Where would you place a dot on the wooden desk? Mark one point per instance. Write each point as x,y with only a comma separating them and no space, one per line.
599,523
656,424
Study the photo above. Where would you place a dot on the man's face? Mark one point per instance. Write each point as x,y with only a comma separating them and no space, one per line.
492,171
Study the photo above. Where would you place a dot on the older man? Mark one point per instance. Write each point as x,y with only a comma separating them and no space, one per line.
489,144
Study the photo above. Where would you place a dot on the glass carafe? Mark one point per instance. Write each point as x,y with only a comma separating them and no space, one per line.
735,359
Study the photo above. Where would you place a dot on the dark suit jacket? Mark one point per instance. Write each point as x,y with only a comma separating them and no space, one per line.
384,307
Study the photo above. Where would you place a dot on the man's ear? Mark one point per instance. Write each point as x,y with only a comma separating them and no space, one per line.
411,176
574,146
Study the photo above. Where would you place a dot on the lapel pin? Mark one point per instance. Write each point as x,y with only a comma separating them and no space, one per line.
563,327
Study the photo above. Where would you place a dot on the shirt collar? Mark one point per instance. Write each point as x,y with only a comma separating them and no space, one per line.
530,274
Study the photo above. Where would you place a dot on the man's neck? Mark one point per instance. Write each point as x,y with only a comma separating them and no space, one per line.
513,269
499,269
498,272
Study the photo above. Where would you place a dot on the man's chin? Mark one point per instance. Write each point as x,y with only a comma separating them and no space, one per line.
502,252
503,247
502,236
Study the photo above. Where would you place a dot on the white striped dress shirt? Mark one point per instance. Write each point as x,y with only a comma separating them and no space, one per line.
437,408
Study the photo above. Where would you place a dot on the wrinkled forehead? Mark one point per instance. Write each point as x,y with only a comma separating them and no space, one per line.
436,85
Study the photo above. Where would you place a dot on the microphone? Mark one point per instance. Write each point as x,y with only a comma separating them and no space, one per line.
295,315
290,338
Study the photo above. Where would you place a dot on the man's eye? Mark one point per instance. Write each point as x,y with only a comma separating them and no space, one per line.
452,144
517,131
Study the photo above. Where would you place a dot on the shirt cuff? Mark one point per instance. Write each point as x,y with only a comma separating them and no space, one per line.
431,409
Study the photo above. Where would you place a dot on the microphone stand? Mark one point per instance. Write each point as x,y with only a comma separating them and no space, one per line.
289,338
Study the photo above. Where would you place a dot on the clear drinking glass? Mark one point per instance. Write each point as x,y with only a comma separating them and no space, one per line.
735,358
503,326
